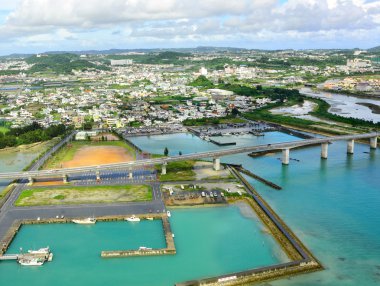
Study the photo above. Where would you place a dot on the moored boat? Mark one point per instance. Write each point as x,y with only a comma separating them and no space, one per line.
89,220
31,262
133,218
45,250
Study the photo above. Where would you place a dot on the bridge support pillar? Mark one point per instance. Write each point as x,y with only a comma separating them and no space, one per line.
373,142
163,171
97,175
324,150
350,146
285,156
64,178
216,163
31,180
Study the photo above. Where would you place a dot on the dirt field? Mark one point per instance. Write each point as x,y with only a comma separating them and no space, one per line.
96,155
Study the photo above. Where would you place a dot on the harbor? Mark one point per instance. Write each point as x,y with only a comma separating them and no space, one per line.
147,251
191,238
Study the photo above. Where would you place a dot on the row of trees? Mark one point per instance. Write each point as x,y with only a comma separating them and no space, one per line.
30,134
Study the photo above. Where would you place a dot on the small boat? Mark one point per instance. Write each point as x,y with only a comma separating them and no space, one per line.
149,218
168,213
144,248
31,262
44,250
132,218
89,220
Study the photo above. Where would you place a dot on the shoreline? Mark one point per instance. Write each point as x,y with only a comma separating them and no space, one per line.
27,147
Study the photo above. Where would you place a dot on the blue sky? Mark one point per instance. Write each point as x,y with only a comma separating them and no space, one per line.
32,26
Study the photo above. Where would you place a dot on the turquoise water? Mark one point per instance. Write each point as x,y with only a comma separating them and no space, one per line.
14,161
209,241
332,205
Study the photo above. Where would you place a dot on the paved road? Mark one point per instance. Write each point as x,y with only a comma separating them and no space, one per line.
7,219
211,154
9,213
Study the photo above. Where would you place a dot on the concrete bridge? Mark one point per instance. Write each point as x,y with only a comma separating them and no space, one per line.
215,155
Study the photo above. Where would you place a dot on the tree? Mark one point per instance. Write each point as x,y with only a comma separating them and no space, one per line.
166,151
235,112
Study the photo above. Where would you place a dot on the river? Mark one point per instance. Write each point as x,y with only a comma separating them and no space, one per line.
345,105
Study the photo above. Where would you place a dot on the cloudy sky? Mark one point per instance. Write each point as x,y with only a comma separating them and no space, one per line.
44,25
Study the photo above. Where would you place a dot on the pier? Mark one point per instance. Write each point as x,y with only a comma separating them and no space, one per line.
222,143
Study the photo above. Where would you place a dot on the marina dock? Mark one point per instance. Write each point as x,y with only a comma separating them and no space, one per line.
222,143
27,258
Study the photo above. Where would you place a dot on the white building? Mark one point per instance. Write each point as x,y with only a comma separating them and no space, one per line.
121,62
82,135
203,71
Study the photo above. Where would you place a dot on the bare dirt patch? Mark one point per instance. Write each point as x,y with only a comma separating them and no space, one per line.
204,170
97,155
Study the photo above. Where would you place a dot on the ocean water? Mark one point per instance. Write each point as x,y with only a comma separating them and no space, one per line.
209,241
332,205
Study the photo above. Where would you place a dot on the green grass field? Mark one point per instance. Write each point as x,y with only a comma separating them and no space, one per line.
84,195
178,171
3,129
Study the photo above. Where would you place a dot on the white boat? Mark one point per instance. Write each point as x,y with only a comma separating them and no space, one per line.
132,218
31,262
168,213
44,250
149,218
89,220
144,248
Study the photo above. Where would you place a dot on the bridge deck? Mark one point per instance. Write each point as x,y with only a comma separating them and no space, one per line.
163,160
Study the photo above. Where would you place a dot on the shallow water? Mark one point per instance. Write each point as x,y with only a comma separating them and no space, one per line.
14,161
346,106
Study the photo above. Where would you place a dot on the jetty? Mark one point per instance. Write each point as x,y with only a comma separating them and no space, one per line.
258,178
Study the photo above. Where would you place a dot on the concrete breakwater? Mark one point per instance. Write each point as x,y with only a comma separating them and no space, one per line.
257,177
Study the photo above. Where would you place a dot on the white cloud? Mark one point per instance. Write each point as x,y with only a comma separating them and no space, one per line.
166,21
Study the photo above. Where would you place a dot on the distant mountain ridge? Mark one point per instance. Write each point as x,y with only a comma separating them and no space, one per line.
374,49
200,49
